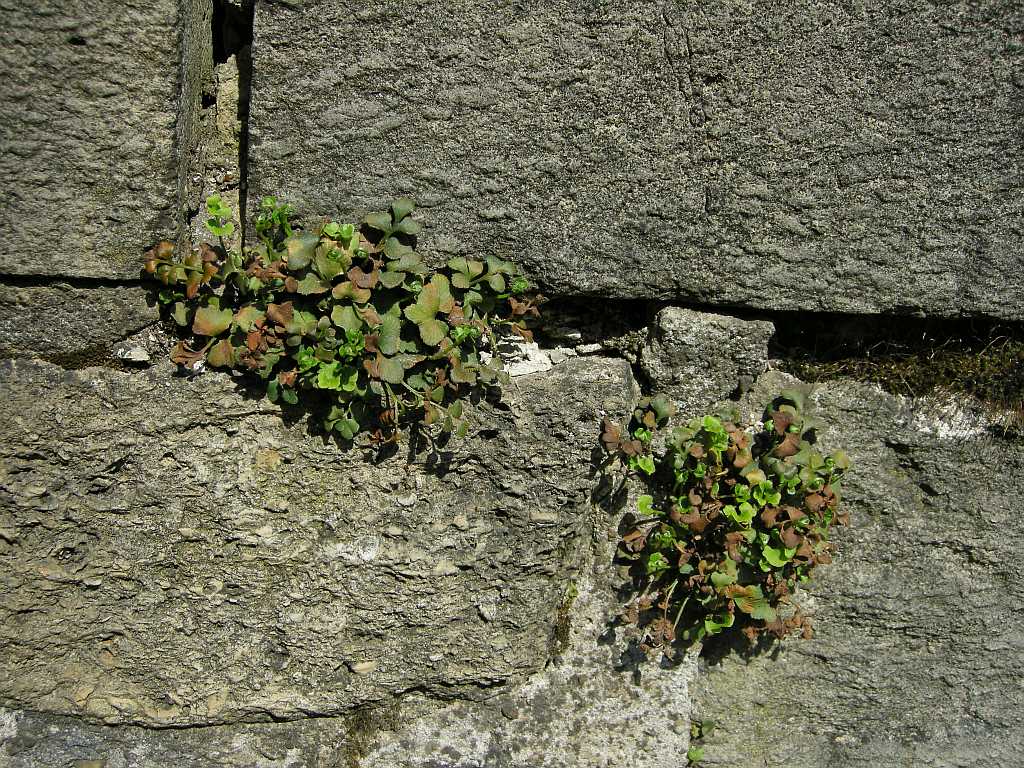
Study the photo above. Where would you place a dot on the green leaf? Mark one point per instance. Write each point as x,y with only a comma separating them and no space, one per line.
432,331
247,317
776,557
347,428
345,317
409,262
392,279
646,464
221,354
408,227
312,284
715,624
656,563
302,323
180,313
500,266
394,249
300,250
389,334
348,290
402,207
210,321
379,220
391,370
497,283
337,376
643,506
220,229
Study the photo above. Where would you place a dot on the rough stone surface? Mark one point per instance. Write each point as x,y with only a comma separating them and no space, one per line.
175,554
820,156
97,130
35,740
916,657
61,319
699,358
592,706
583,709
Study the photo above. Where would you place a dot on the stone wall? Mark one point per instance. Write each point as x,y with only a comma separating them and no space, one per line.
805,155
193,576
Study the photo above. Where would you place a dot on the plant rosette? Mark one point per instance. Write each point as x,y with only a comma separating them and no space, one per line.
348,317
734,520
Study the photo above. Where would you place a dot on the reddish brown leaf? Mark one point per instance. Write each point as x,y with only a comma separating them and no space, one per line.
733,540
521,330
743,458
814,502
635,540
185,355
281,314
790,538
782,421
362,279
789,446
694,521
369,314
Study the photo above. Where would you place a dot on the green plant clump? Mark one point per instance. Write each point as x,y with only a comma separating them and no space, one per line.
347,313
736,518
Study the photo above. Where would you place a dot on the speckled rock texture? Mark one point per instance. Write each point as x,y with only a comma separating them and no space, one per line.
585,708
916,657
98,107
175,554
64,320
814,155
699,358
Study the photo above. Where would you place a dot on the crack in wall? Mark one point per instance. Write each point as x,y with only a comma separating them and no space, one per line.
233,36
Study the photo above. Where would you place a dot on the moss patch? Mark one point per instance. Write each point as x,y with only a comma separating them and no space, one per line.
913,357
362,728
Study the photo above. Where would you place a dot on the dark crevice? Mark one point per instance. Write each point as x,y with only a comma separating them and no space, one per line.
244,90
232,36
232,29
906,355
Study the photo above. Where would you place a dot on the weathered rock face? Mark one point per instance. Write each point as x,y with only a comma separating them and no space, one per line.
699,358
819,157
97,129
59,319
35,740
174,554
916,655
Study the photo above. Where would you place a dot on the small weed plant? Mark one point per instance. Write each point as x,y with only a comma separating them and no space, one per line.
344,315
735,519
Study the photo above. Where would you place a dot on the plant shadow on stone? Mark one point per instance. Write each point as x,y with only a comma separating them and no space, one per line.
345,322
735,518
